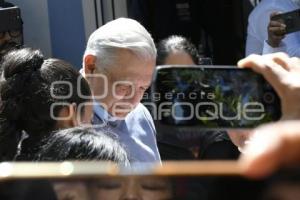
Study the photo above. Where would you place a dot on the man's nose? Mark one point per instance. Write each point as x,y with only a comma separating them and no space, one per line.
131,191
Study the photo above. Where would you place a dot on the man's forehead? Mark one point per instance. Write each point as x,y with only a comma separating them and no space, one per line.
134,67
128,55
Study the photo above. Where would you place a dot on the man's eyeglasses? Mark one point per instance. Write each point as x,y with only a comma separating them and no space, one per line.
12,33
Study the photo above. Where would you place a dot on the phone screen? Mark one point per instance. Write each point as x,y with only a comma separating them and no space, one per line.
212,97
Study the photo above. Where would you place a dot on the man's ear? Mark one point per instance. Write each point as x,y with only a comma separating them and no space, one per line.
89,64
68,115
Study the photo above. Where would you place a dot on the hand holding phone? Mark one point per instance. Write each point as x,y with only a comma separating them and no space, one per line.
213,97
290,19
276,31
283,73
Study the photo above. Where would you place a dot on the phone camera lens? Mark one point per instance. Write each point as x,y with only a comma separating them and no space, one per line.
268,97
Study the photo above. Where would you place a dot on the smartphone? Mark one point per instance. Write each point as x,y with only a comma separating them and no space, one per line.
290,19
211,97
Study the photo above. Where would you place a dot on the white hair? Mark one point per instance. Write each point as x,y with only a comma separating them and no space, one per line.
122,33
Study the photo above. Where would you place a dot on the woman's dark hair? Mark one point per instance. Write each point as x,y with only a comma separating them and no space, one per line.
81,143
29,85
173,44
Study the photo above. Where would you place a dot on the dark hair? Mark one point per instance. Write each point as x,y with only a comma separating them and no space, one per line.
173,44
27,93
81,143
5,4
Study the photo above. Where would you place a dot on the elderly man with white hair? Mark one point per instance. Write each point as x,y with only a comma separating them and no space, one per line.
118,63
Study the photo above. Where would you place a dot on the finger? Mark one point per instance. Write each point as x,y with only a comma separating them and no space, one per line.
283,60
255,165
239,137
277,24
295,64
252,61
272,146
274,14
265,65
275,75
260,64
278,31
262,154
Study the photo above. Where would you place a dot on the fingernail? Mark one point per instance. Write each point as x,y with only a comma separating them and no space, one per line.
240,63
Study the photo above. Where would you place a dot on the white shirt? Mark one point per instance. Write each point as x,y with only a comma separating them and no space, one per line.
258,24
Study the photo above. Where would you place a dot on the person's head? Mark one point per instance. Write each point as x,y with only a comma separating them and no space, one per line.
131,187
118,63
82,143
35,93
176,50
11,28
